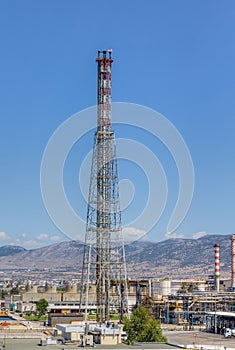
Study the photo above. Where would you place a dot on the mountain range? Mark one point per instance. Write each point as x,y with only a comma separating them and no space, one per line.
174,258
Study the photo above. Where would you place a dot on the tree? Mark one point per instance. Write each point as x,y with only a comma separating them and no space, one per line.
14,290
142,327
42,305
3,293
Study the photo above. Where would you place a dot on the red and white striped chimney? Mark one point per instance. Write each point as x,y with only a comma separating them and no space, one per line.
233,260
217,266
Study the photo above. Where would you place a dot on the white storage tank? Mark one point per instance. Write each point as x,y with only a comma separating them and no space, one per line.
165,286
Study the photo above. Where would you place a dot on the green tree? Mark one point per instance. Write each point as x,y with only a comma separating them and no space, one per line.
3,293
142,327
14,290
42,305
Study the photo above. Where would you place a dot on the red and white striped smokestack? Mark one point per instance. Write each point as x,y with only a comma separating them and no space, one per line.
233,260
217,266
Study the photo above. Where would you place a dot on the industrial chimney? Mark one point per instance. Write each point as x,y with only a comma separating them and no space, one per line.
233,261
217,266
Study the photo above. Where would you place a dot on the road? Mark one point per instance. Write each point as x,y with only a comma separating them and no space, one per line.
197,339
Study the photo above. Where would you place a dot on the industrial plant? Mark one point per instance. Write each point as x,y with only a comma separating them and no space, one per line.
92,308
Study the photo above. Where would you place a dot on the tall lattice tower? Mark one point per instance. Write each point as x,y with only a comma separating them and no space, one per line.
104,281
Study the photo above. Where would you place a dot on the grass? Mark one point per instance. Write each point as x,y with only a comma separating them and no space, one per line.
35,317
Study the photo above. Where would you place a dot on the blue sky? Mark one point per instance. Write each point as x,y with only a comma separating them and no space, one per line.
176,57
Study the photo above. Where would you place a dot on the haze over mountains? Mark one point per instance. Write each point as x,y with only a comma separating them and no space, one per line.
175,258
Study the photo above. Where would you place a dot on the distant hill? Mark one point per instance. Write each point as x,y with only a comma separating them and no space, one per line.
176,258
11,250
181,258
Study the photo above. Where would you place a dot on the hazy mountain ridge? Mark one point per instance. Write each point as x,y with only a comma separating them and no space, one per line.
11,250
183,258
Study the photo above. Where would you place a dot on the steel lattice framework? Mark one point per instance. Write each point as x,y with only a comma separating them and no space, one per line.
104,282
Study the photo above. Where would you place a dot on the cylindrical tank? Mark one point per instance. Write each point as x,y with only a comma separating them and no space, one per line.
34,289
150,288
165,286
201,286
73,289
52,289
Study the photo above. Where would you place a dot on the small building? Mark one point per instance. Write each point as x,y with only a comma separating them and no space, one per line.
63,318
25,307
64,307
107,335
11,301
71,332
89,333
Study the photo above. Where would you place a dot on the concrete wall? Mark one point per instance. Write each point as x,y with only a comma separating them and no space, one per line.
71,296
106,339
75,336
34,297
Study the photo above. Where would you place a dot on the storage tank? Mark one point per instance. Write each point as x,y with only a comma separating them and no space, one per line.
41,289
52,289
73,289
34,289
202,286
165,286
